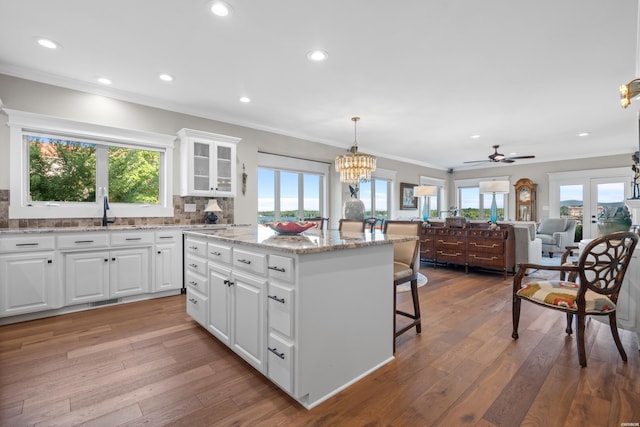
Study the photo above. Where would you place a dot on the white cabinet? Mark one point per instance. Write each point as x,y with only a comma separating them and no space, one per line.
248,316
27,282
168,261
208,164
195,267
99,275
219,304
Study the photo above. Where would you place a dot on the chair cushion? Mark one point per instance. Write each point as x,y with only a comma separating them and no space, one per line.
557,293
401,270
547,239
551,225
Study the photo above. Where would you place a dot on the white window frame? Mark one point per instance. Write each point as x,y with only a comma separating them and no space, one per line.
20,207
292,164
485,202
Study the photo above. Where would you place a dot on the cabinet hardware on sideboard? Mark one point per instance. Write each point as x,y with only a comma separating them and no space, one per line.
244,261
280,269
275,298
275,351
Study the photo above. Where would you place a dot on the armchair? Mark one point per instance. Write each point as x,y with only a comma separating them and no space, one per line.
556,234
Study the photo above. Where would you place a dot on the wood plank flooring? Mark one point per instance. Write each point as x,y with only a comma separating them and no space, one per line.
149,364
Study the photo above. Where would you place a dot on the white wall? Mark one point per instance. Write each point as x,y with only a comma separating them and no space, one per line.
30,96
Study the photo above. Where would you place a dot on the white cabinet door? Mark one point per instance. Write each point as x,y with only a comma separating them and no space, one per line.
129,272
248,318
168,269
219,303
86,276
27,282
208,164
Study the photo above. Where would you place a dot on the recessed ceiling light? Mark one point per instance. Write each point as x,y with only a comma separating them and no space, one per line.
318,55
165,77
104,81
476,136
48,43
584,134
220,8
245,99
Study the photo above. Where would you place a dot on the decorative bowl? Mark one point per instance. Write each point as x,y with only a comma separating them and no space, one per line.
292,227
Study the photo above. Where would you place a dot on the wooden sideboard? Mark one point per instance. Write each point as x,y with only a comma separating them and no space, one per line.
476,245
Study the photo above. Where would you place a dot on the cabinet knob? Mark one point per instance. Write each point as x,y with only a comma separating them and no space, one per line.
159,252
113,259
49,261
106,260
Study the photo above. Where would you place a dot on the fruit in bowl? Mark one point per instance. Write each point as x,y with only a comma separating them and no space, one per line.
290,227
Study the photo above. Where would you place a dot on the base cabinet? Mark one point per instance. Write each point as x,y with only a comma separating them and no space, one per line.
168,261
35,273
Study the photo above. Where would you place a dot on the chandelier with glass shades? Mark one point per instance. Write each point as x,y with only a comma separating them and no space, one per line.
353,166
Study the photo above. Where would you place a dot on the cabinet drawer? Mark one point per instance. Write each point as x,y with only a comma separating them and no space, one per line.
197,307
219,253
131,239
493,234
81,241
27,242
250,261
450,244
280,362
168,236
281,309
196,265
486,246
280,267
487,260
197,282
196,247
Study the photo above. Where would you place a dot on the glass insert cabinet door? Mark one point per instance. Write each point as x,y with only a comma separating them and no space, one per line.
525,200
201,166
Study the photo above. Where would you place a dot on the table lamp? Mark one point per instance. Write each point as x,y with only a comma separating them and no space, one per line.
212,208
426,191
493,187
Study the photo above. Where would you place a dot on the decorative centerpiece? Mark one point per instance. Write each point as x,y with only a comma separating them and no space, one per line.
292,227
353,208
612,219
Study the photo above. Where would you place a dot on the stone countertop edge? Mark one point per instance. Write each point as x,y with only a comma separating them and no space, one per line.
307,242
13,231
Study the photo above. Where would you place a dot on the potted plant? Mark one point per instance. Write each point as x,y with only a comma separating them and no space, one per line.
613,218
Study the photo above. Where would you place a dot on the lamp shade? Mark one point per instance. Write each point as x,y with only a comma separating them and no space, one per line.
213,206
494,187
425,190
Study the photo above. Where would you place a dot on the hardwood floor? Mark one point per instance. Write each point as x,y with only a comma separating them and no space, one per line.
149,364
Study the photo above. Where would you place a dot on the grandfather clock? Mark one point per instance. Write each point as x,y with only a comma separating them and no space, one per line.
525,200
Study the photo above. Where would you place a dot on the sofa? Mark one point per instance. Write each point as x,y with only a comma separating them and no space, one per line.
528,245
556,234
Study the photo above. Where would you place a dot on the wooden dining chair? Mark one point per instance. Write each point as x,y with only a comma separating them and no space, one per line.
591,289
319,221
406,265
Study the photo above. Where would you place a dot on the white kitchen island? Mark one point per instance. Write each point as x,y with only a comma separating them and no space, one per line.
312,312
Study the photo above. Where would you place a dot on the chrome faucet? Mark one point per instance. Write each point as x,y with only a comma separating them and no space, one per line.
105,207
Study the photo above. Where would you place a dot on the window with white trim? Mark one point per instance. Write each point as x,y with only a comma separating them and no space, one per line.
474,205
63,169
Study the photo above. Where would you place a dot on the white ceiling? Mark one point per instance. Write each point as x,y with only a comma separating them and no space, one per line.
424,75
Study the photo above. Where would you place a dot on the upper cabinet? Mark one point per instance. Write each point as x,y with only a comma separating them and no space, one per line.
207,164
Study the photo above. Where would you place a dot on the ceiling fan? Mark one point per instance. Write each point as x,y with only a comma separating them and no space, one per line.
500,158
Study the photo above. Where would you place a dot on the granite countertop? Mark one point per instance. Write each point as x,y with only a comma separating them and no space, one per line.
10,231
310,241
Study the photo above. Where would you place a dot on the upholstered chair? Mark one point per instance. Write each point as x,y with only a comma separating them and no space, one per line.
556,234
592,287
528,245
351,226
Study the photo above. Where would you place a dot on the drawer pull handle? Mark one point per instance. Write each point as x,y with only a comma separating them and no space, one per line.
192,282
193,265
195,248
280,269
193,300
245,261
450,243
166,237
49,261
83,241
133,238
27,244
495,245
216,253
493,258
446,254
228,283
275,298
275,351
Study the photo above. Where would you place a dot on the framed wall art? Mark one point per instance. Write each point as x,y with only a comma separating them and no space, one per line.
407,199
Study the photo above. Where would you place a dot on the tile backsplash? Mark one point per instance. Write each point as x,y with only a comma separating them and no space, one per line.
179,215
